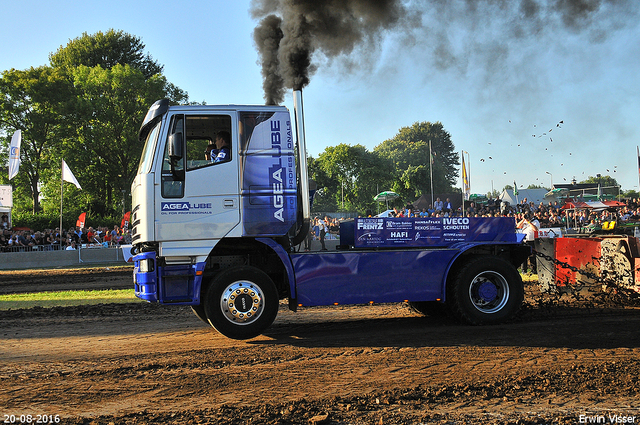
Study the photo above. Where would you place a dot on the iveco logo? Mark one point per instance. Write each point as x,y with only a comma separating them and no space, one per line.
455,221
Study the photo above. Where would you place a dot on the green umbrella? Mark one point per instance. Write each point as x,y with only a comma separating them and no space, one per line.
386,197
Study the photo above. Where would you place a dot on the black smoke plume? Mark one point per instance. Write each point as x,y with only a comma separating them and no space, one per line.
267,37
297,28
291,32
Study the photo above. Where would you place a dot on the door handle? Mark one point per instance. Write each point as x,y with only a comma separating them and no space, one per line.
229,203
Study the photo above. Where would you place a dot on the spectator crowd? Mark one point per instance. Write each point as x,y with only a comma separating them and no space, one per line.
17,240
548,215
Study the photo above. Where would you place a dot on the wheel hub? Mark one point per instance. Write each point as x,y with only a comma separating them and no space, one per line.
242,302
489,292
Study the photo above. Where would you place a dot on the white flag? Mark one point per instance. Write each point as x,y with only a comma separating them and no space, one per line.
68,176
14,154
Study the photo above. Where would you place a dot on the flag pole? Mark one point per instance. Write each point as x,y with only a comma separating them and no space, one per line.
638,152
61,193
462,175
468,172
431,171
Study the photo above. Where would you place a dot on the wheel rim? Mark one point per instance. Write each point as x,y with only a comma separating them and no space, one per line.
489,292
242,302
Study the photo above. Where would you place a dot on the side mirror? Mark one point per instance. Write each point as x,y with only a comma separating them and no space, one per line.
175,146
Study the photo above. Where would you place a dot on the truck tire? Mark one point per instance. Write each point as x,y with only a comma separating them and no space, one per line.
241,302
486,290
429,308
198,310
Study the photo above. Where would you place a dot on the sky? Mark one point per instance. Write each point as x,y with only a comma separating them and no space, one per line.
532,96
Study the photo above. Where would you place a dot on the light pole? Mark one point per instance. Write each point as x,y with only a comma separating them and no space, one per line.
551,179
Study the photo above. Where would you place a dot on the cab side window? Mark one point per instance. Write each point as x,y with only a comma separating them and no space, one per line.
173,162
203,134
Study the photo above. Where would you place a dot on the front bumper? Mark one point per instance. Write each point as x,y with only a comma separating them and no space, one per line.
167,284
145,278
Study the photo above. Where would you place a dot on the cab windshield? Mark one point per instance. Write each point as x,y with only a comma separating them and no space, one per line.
149,148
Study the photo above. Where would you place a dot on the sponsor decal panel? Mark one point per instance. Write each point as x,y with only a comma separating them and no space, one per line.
441,231
268,195
182,207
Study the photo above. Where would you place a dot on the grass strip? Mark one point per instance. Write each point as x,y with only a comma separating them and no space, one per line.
66,298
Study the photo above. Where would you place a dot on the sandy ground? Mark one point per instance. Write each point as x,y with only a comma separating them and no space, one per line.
559,362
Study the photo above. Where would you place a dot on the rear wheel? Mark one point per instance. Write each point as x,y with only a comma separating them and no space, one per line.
429,308
241,302
486,290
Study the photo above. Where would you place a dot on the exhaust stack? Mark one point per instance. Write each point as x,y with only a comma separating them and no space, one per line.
302,168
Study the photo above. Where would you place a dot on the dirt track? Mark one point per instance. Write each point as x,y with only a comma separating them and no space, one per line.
142,363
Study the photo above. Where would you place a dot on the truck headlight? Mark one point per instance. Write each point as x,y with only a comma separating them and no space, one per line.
146,265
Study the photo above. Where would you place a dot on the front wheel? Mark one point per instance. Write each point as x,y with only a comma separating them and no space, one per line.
241,302
486,290
198,310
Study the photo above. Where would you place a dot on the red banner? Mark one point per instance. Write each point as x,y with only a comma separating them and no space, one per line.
81,219
125,220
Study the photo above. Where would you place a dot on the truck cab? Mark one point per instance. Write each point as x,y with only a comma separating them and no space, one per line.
220,236
189,203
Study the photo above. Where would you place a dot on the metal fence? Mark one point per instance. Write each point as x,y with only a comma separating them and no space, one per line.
56,256
55,247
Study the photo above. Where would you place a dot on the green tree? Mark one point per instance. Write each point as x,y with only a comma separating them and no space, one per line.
536,186
86,109
493,194
110,105
106,50
34,102
603,181
115,82
609,185
324,199
408,160
352,175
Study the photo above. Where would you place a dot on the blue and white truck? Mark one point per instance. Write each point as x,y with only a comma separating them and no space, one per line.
221,237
